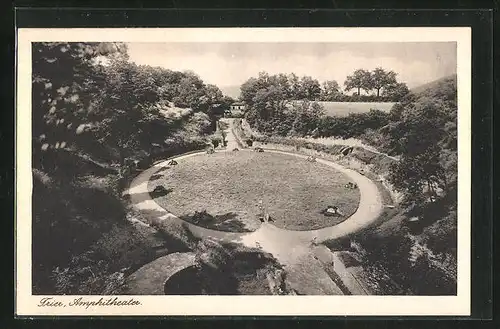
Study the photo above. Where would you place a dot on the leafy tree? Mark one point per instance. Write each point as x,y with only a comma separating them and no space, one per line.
309,89
303,117
420,176
67,79
360,79
295,85
330,91
381,78
396,91
423,131
248,90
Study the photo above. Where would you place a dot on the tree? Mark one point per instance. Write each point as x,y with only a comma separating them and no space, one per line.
210,103
189,91
295,85
304,117
309,89
422,130
248,90
395,92
360,79
213,93
420,176
330,91
381,78
266,96
67,80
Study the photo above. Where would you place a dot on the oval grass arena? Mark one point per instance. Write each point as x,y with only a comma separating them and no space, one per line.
223,191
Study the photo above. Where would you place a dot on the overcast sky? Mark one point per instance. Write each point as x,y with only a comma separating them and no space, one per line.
229,64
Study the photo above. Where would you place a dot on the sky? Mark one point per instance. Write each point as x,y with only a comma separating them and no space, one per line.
231,64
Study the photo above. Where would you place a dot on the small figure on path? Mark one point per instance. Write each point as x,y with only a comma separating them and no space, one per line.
258,149
172,163
263,216
235,149
311,158
267,218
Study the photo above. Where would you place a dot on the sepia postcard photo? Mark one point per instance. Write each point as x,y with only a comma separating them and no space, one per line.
243,171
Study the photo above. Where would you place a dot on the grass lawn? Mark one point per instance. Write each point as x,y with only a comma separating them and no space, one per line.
345,108
227,189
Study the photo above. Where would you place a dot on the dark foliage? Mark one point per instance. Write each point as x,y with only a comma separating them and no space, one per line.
97,120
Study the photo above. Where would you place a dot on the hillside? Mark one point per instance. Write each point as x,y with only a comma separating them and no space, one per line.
87,147
417,243
435,84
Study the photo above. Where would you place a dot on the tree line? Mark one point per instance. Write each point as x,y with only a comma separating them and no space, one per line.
89,96
283,105
379,85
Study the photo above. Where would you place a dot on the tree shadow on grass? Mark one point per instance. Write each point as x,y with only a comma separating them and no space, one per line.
234,225
155,177
177,235
161,170
227,222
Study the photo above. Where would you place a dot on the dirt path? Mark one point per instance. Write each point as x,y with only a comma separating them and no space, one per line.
294,249
230,138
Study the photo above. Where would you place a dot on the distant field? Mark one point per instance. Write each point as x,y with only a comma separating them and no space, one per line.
345,108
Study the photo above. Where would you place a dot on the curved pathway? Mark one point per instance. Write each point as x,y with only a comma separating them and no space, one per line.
292,248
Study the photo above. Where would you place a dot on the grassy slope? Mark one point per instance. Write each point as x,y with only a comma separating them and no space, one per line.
434,84
229,186
345,108
91,244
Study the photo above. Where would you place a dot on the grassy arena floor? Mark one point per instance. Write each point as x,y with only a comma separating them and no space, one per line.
228,187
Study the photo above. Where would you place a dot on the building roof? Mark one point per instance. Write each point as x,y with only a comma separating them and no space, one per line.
238,104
